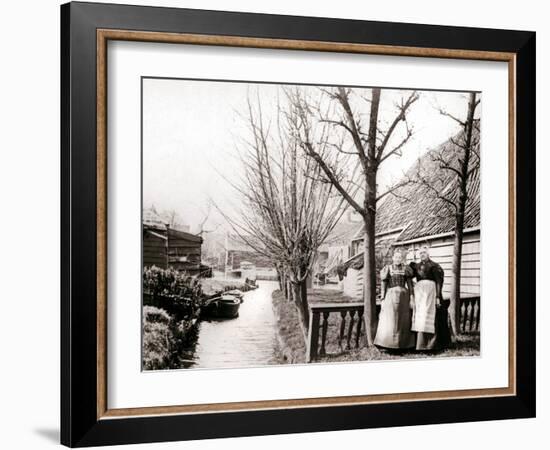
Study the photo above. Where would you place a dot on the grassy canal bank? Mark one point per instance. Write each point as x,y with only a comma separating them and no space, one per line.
293,348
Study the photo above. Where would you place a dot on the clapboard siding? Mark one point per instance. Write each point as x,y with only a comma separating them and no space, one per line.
441,251
183,251
154,251
174,248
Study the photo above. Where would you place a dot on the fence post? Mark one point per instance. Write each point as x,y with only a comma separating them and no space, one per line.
324,331
313,336
359,323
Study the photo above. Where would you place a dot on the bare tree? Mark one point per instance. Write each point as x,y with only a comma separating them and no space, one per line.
288,211
461,163
350,160
172,218
202,230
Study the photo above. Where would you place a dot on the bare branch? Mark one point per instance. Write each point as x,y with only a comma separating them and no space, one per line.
394,188
450,116
401,116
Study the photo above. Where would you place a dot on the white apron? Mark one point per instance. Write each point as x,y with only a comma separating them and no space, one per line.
423,319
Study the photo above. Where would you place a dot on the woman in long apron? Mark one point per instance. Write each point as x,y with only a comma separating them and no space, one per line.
394,322
430,318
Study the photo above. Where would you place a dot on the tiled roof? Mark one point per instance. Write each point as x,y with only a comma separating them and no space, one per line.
343,232
416,211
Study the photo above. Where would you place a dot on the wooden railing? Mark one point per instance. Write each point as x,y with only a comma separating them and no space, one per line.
470,313
351,323
351,320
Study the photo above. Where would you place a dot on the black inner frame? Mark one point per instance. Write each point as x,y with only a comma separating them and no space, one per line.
79,424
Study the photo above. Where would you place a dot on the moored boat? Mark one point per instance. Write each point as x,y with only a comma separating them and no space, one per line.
237,293
222,307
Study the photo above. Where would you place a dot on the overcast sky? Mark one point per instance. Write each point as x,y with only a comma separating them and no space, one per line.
192,129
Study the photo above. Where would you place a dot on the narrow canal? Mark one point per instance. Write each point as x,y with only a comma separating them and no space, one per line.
245,341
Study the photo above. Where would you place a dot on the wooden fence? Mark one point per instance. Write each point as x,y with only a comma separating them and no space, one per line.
351,323
351,320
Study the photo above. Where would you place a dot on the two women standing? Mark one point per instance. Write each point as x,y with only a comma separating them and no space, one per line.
412,317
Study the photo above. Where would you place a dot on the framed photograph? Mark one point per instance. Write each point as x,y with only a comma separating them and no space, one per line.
276,224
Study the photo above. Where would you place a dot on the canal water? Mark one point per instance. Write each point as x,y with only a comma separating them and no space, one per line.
245,341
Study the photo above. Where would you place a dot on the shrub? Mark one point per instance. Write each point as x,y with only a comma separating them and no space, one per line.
169,281
152,314
171,304
158,338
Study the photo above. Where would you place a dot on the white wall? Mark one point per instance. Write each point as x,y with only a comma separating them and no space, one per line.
353,283
441,251
29,177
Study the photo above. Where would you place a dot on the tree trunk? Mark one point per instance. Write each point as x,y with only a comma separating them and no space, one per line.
281,279
304,303
369,218
454,307
298,297
454,310
369,278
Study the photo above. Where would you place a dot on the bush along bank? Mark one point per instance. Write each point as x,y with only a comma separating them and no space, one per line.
171,307
180,295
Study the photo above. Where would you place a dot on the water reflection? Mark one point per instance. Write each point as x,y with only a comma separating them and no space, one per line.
247,340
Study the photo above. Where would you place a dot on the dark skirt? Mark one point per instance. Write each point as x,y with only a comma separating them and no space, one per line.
442,336
394,322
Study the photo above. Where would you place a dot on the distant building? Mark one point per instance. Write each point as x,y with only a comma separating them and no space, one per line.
413,218
336,249
239,255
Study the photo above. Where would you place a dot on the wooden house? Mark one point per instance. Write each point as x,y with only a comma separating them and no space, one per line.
184,251
167,247
155,247
336,249
413,218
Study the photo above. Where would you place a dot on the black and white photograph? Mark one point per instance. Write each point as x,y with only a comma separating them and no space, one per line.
296,224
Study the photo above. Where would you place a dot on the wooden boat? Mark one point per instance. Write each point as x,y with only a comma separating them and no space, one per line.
222,307
237,293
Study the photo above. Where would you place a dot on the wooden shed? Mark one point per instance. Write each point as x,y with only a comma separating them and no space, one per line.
413,218
166,247
155,244
184,251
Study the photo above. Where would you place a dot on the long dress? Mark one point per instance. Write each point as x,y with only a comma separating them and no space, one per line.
394,322
430,322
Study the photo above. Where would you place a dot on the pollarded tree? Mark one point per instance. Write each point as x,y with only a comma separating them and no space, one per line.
288,211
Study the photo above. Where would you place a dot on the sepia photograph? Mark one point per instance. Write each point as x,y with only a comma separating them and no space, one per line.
306,224
284,224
